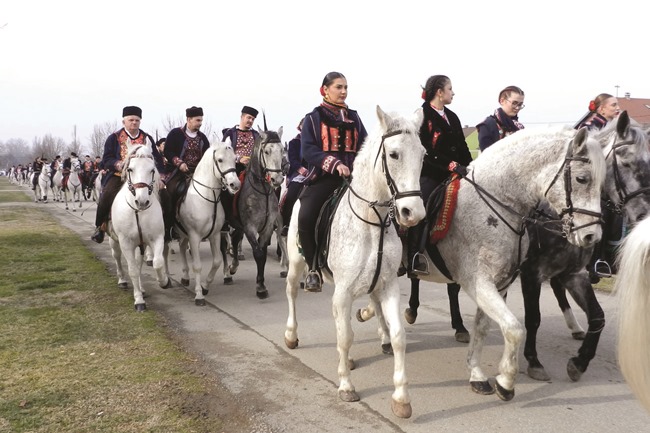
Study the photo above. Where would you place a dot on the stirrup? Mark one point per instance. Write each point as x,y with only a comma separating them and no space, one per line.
424,260
602,269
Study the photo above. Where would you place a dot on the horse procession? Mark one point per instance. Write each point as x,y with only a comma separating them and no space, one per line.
529,207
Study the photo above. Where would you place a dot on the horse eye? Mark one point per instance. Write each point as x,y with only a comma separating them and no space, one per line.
581,179
626,164
394,155
219,160
129,170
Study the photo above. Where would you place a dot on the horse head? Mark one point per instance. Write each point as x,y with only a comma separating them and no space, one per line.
223,157
577,197
268,155
140,176
625,146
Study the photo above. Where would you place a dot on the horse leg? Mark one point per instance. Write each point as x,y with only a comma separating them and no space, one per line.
235,240
159,263
294,275
227,276
134,263
531,288
462,334
116,251
197,268
411,313
383,330
284,261
259,254
183,245
389,299
365,314
571,322
341,309
493,305
149,256
215,243
583,293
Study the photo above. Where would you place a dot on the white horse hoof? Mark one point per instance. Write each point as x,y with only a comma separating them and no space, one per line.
140,307
349,396
123,286
199,302
291,344
401,410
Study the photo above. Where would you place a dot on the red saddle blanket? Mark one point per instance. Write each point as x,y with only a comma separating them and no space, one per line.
443,221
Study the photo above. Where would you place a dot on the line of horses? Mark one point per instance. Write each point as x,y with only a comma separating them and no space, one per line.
71,191
497,231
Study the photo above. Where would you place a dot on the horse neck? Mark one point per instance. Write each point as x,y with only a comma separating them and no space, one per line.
206,173
369,182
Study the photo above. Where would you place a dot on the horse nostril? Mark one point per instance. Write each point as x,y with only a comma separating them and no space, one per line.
406,213
589,239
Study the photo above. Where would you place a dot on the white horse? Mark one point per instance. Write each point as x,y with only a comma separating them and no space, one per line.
73,185
137,222
43,188
201,214
364,249
57,189
97,186
486,241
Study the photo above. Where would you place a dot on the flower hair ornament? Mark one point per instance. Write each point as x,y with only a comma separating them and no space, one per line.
322,91
592,106
424,94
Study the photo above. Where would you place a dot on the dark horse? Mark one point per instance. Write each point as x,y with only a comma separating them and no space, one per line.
551,256
257,204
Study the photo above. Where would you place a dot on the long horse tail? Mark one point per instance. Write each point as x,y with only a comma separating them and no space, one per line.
633,289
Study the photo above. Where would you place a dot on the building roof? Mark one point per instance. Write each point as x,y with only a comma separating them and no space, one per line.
637,108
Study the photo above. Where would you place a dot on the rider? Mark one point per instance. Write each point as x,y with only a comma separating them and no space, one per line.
55,166
243,138
331,136
504,121
183,149
37,168
603,109
447,153
295,180
115,151
86,174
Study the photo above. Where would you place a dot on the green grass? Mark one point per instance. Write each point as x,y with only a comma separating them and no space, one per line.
74,356
10,193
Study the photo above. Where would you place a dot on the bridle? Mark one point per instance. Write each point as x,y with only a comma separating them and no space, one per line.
134,186
386,221
263,174
623,195
222,176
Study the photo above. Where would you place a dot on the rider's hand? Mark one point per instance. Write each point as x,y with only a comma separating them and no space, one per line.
244,160
460,170
183,167
343,170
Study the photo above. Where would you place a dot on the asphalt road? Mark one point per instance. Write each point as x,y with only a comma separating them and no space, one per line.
241,339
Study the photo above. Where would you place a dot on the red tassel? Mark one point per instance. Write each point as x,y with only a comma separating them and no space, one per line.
424,95
322,91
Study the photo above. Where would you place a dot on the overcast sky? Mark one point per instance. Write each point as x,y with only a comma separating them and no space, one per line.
77,63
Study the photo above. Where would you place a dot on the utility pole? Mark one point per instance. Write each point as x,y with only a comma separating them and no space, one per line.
617,86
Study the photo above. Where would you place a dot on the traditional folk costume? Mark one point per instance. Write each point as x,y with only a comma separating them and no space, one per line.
495,127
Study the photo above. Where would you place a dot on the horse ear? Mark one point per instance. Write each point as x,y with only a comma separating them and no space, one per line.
383,118
623,124
228,142
579,140
280,133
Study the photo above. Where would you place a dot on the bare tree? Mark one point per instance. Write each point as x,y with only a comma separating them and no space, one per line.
99,135
48,146
15,151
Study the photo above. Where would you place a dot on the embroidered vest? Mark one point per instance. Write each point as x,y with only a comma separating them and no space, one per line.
122,138
337,135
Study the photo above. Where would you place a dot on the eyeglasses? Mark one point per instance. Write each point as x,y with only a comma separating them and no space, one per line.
516,105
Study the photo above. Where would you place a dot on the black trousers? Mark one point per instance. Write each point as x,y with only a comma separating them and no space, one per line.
290,197
109,191
311,201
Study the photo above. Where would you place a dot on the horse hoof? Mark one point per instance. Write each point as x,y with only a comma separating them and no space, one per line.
168,285
123,286
360,316
401,410
351,364
140,307
262,294
574,370
349,396
387,349
482,387
204,290
462,337
410,316
241,257
538,373
231,270
302,285
149,262
505,394
578,335
283,274
185,282
199,302
290,344
227,281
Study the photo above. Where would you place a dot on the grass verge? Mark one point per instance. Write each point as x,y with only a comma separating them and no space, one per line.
74,356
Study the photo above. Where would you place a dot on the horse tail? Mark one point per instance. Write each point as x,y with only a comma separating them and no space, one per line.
633,289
